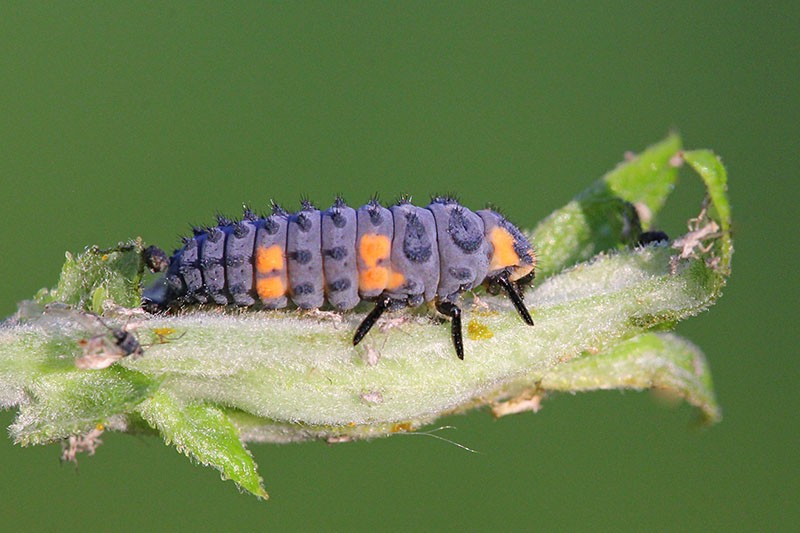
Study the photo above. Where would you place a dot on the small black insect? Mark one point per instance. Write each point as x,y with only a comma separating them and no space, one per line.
398,256
107,346
105,349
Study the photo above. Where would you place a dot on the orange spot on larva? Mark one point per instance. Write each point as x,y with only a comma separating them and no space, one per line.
504,254
268,288
269,259
373,279
395,280
373,248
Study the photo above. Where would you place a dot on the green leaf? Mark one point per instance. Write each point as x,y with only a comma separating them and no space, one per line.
609,214
204,433
715,178
652,360
710,169
648,178
97,275
69,402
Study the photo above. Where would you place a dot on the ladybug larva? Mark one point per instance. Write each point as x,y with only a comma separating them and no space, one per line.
398,256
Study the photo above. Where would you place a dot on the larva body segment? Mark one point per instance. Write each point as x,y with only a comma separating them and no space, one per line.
271,276
415,256
339,232
304,258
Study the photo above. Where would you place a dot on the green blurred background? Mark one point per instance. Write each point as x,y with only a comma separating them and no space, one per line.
121,120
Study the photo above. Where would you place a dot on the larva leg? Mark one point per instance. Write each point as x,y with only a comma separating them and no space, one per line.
454,312
382,305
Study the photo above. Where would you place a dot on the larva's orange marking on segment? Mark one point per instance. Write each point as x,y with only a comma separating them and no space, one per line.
395,280
373,248
373,278
504,254
269,259
268,288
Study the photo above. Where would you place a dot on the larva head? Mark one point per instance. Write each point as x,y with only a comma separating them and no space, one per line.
513,262
512,254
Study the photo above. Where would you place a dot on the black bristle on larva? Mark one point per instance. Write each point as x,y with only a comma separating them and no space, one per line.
374,210
445,199
277,209
497,209
248,214
240,229
307,204
215,234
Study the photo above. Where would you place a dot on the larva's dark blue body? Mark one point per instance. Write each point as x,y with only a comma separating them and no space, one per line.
397,256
